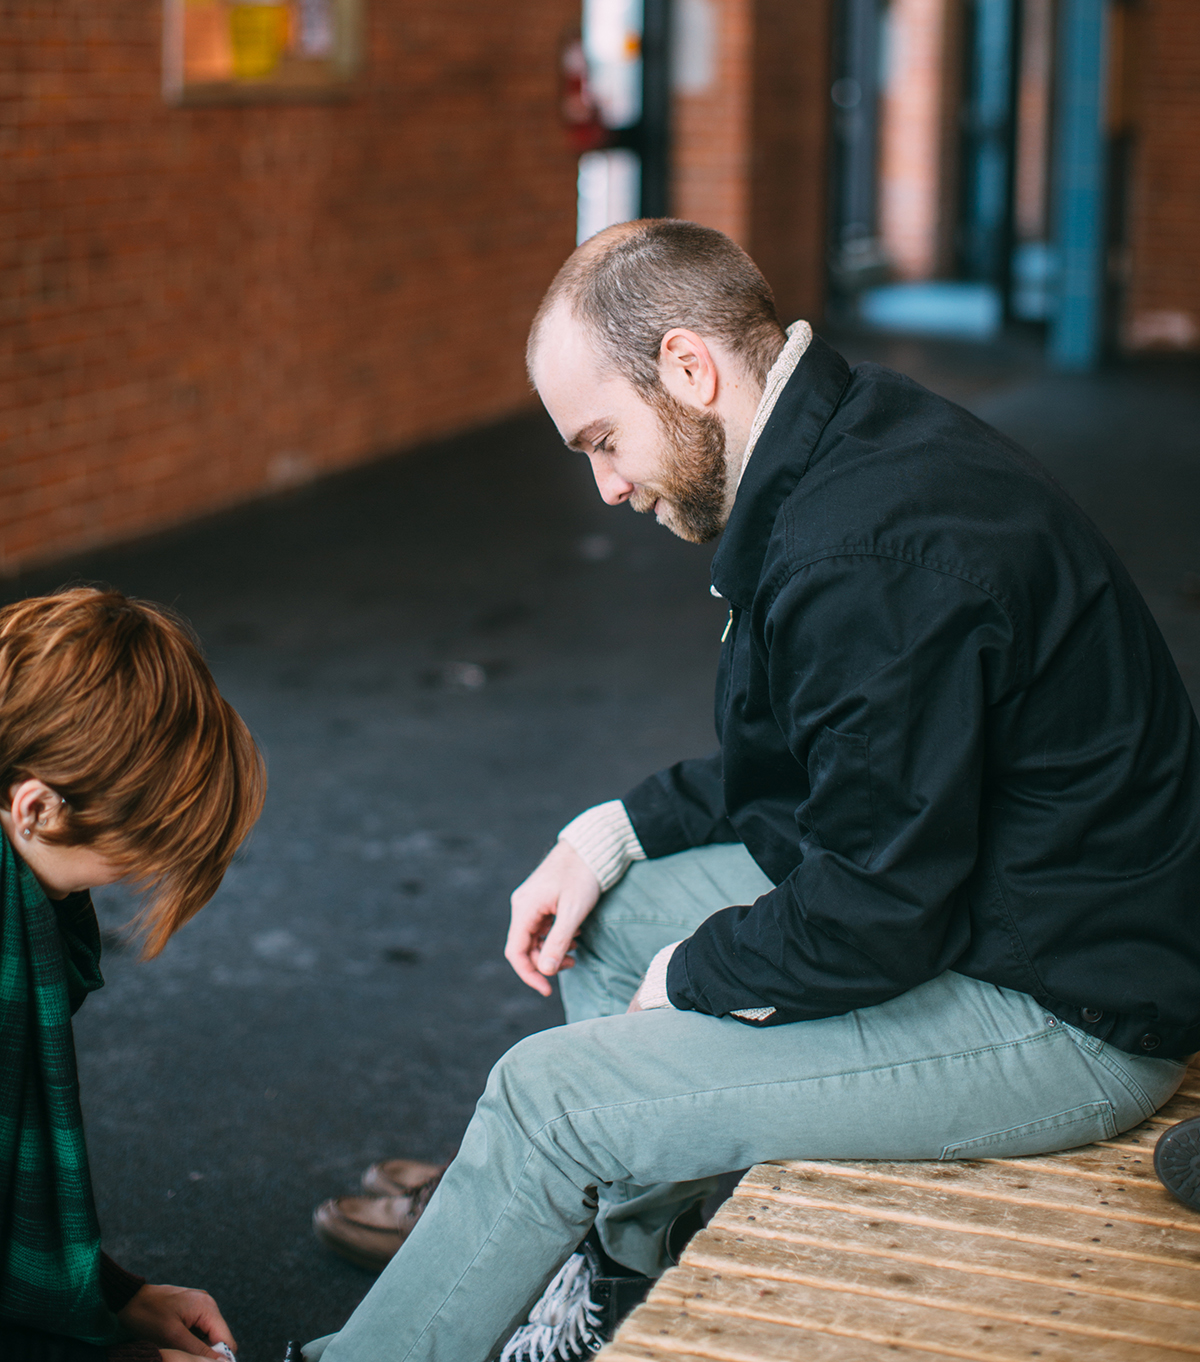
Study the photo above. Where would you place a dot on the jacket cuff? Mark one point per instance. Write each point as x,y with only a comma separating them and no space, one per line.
605,840
117,1286
675,966
652,992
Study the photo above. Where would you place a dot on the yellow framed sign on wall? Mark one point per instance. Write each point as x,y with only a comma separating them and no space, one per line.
216,51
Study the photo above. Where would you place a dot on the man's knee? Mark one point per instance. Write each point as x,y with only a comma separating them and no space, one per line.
530,1079
558,1072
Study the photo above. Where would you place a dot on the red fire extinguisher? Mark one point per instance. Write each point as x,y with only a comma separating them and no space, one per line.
580,112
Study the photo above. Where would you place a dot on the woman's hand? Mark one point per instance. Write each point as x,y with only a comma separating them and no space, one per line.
167,1315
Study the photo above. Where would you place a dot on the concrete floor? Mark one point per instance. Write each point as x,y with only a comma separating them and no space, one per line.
446,656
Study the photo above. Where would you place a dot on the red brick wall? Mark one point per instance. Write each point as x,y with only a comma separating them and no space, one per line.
1163,68
199,304
790,141
912,117
750,151
711,131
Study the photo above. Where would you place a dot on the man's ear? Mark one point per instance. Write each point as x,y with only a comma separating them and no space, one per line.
687,368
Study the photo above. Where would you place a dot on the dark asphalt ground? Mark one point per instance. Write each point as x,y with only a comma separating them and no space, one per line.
446,656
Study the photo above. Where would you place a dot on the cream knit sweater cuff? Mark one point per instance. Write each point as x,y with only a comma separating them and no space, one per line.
604,838
652,992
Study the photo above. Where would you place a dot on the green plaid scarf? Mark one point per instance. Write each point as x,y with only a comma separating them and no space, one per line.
49,1235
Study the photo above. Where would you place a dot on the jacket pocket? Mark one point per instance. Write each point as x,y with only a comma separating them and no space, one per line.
1079,1125
839,807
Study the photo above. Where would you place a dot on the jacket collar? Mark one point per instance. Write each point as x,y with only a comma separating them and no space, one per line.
781,452
799,338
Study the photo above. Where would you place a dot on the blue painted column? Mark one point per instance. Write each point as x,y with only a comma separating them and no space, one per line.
989,170
1076,326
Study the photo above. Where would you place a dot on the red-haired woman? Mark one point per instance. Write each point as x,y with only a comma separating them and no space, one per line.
119,760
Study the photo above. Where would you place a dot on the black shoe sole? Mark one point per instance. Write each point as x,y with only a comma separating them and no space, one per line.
1177,1161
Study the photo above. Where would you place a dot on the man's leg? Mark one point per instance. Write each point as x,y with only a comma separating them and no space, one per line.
953,1068
657,902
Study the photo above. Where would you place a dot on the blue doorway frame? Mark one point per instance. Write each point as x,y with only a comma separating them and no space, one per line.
1076,333
1073,291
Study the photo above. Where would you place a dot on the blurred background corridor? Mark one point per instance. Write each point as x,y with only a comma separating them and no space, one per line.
267,273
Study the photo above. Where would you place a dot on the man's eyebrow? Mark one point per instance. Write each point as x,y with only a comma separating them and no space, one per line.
588,433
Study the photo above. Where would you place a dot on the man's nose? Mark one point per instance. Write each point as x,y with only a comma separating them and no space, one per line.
612,487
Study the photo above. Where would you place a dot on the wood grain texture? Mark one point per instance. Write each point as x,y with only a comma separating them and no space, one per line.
1062,1257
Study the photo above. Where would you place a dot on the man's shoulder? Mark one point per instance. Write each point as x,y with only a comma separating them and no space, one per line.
902,471
887,422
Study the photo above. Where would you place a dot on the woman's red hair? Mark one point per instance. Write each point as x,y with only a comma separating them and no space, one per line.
109,702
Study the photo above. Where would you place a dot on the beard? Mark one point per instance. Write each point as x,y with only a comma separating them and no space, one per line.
692,491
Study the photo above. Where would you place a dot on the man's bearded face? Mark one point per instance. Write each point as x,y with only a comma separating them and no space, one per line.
691,491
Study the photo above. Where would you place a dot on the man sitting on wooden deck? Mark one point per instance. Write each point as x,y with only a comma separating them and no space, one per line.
936,895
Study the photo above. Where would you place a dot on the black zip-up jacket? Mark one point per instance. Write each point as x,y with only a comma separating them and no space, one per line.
950,733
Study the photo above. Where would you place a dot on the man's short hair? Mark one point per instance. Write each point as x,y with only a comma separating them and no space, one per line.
631,284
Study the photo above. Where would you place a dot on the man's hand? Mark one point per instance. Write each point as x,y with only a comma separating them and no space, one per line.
547,912
166,1315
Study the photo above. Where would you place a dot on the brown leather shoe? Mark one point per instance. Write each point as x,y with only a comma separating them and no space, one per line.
400,1177
369,1229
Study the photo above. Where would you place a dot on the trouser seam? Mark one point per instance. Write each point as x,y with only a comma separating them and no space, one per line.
1036,1037
1141,1098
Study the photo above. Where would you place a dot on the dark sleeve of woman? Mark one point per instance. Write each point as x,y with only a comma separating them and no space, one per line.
119,1289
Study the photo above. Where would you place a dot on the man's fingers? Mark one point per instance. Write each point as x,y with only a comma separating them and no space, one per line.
526,971
560,939
524,938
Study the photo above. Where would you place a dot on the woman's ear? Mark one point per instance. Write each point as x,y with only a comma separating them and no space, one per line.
33,807
687,368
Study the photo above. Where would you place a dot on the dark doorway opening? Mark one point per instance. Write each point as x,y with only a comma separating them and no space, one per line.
941,219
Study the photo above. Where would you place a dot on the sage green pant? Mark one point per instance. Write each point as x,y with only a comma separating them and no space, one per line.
625,1119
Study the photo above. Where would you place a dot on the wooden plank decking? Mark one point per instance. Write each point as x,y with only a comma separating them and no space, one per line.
1074,1257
